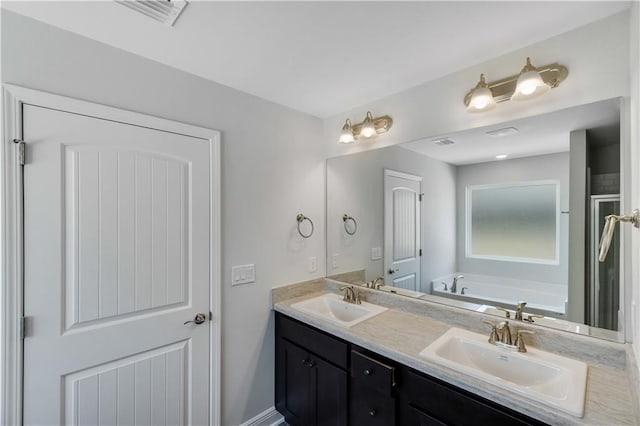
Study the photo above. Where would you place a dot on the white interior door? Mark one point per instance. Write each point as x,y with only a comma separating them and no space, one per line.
402,247
117,258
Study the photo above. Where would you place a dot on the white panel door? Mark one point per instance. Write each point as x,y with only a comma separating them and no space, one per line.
402,229
117,249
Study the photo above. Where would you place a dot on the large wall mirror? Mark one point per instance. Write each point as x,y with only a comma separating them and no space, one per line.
488,218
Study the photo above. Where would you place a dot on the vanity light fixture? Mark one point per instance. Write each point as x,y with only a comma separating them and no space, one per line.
531,82
481,97
346,136
369,128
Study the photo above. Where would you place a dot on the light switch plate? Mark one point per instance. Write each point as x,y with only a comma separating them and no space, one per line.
243,274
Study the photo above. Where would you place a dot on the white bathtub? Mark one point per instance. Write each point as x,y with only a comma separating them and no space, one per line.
541,297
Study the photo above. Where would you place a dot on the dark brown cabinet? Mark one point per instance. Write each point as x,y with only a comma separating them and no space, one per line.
323,380
310,389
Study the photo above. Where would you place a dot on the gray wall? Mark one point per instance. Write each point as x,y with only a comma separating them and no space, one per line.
272,169
543,167
355,186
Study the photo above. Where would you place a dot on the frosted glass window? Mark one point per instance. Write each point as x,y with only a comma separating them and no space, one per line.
514,221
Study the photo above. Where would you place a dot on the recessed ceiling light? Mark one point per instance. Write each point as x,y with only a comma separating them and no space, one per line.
503,132
501,156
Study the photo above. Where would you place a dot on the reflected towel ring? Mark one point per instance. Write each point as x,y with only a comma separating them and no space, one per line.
301,218
345,219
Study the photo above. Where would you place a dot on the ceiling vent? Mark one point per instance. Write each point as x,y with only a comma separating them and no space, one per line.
443,142
165,11
507,131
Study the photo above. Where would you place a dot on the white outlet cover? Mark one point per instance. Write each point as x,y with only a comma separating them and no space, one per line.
376,253
334,260
313,264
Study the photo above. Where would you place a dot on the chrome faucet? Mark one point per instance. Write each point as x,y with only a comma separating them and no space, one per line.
350,295
454,285
376,283
519,309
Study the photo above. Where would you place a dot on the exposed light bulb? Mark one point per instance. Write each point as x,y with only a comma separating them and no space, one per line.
501,156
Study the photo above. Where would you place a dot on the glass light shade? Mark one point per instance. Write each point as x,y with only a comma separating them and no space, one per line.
346,136
368,129
481,100
530,84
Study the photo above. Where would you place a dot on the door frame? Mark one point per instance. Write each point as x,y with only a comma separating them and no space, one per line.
11,235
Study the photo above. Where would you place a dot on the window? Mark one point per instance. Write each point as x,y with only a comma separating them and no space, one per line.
516,221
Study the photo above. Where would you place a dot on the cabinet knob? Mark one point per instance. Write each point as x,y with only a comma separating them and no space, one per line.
368,371
311,364
372,413
306,360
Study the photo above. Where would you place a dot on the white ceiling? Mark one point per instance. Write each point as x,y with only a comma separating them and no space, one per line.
323,58
538,135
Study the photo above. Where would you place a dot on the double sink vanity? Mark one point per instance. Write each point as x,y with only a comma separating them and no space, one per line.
360,357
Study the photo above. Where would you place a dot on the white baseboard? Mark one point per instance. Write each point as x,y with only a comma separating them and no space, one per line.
269,417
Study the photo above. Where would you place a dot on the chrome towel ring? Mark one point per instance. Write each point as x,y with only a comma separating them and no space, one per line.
345,219
301,218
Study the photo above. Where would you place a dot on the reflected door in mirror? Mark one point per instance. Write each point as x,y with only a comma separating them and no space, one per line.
402,229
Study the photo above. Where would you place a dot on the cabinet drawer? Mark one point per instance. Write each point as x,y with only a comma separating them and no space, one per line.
369,407
328,347
449,405
372,373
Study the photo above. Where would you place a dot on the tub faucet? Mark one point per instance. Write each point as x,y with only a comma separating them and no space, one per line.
454,285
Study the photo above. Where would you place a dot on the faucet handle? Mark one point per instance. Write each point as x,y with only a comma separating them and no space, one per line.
520,341
507,313
531,317
493,337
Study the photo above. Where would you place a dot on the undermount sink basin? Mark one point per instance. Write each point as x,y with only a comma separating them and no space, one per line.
332,308
542,376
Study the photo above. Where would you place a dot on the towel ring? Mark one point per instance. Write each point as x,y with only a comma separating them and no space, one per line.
345,219
301,218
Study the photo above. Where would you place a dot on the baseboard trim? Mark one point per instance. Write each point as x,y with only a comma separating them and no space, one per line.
269,417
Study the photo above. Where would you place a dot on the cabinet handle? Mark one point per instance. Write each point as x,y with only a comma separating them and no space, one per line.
368,372
372,413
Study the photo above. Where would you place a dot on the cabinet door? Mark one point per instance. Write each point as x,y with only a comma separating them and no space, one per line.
329,392
294,396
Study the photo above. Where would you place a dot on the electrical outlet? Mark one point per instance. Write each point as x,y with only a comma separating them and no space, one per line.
376,253
243,274
334,260
313,264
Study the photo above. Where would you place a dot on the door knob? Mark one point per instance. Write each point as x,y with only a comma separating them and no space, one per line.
199,319
392,271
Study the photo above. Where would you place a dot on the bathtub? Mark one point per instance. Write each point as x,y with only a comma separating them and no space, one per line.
542,298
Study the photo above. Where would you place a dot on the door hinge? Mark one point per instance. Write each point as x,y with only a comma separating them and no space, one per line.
420,252
210,316
21,147
22,327
420,197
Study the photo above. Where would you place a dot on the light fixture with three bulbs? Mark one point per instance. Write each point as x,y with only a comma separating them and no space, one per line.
369,128
530,83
